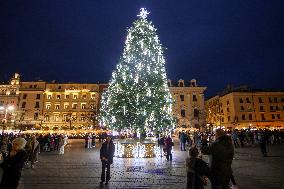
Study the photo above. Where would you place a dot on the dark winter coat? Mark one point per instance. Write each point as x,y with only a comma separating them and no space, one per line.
12,169
107,152
169,143
196,169
222,153
183,138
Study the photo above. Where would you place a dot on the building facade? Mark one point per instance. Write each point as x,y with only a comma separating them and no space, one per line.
64,106
188,108
9,99
246,109
70,105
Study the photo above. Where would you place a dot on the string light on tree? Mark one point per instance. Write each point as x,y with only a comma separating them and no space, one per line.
138,97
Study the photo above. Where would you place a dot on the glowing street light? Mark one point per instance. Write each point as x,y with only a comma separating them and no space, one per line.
6,109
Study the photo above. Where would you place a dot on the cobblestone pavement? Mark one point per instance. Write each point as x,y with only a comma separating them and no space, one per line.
80,168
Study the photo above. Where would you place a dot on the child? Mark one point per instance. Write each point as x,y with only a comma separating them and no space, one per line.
197,170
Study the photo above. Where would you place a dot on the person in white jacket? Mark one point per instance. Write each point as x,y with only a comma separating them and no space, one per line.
89,141
62,143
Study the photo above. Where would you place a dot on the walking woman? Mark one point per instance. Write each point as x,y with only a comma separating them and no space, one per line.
13,164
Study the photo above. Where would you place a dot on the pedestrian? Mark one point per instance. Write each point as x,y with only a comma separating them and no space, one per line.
33,150
183,139
222,153
61,145
13,164
169,146
189,140
197,170
161,143
93,140
89,141
234,136
106,156
262,143
4,143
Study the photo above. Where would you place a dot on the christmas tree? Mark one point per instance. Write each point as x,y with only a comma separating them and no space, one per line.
138,97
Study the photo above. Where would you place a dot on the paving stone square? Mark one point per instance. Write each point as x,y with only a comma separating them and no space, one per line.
80,168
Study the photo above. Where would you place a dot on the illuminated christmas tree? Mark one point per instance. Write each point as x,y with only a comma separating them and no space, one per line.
138,97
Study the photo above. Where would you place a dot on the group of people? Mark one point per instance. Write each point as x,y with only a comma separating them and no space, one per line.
218,171
16,151
20,150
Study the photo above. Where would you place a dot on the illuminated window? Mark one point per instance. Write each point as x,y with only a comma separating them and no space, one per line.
35,116
84,96
48,96
48,106
83,106
56,118
181,97
66,106
57,96
75,96
57,106
67,96
74,106
46,118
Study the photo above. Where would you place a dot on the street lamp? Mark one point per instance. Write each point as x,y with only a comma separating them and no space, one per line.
6,109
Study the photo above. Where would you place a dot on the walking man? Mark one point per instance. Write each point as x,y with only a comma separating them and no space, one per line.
106,155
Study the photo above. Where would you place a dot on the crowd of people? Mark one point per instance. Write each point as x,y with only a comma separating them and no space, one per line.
20,150
219,146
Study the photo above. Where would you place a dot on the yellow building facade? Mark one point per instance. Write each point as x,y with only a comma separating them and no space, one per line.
246,109
188,108
64,106
9,93
70,105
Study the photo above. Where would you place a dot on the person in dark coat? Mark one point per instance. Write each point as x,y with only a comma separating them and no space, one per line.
13,164
183,139
169,147
197,170
262,143
106,156
221,153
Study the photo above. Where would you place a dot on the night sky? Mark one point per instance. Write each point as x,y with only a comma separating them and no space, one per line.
219,42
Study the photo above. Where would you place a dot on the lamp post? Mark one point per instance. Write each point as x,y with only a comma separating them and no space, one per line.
6,109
